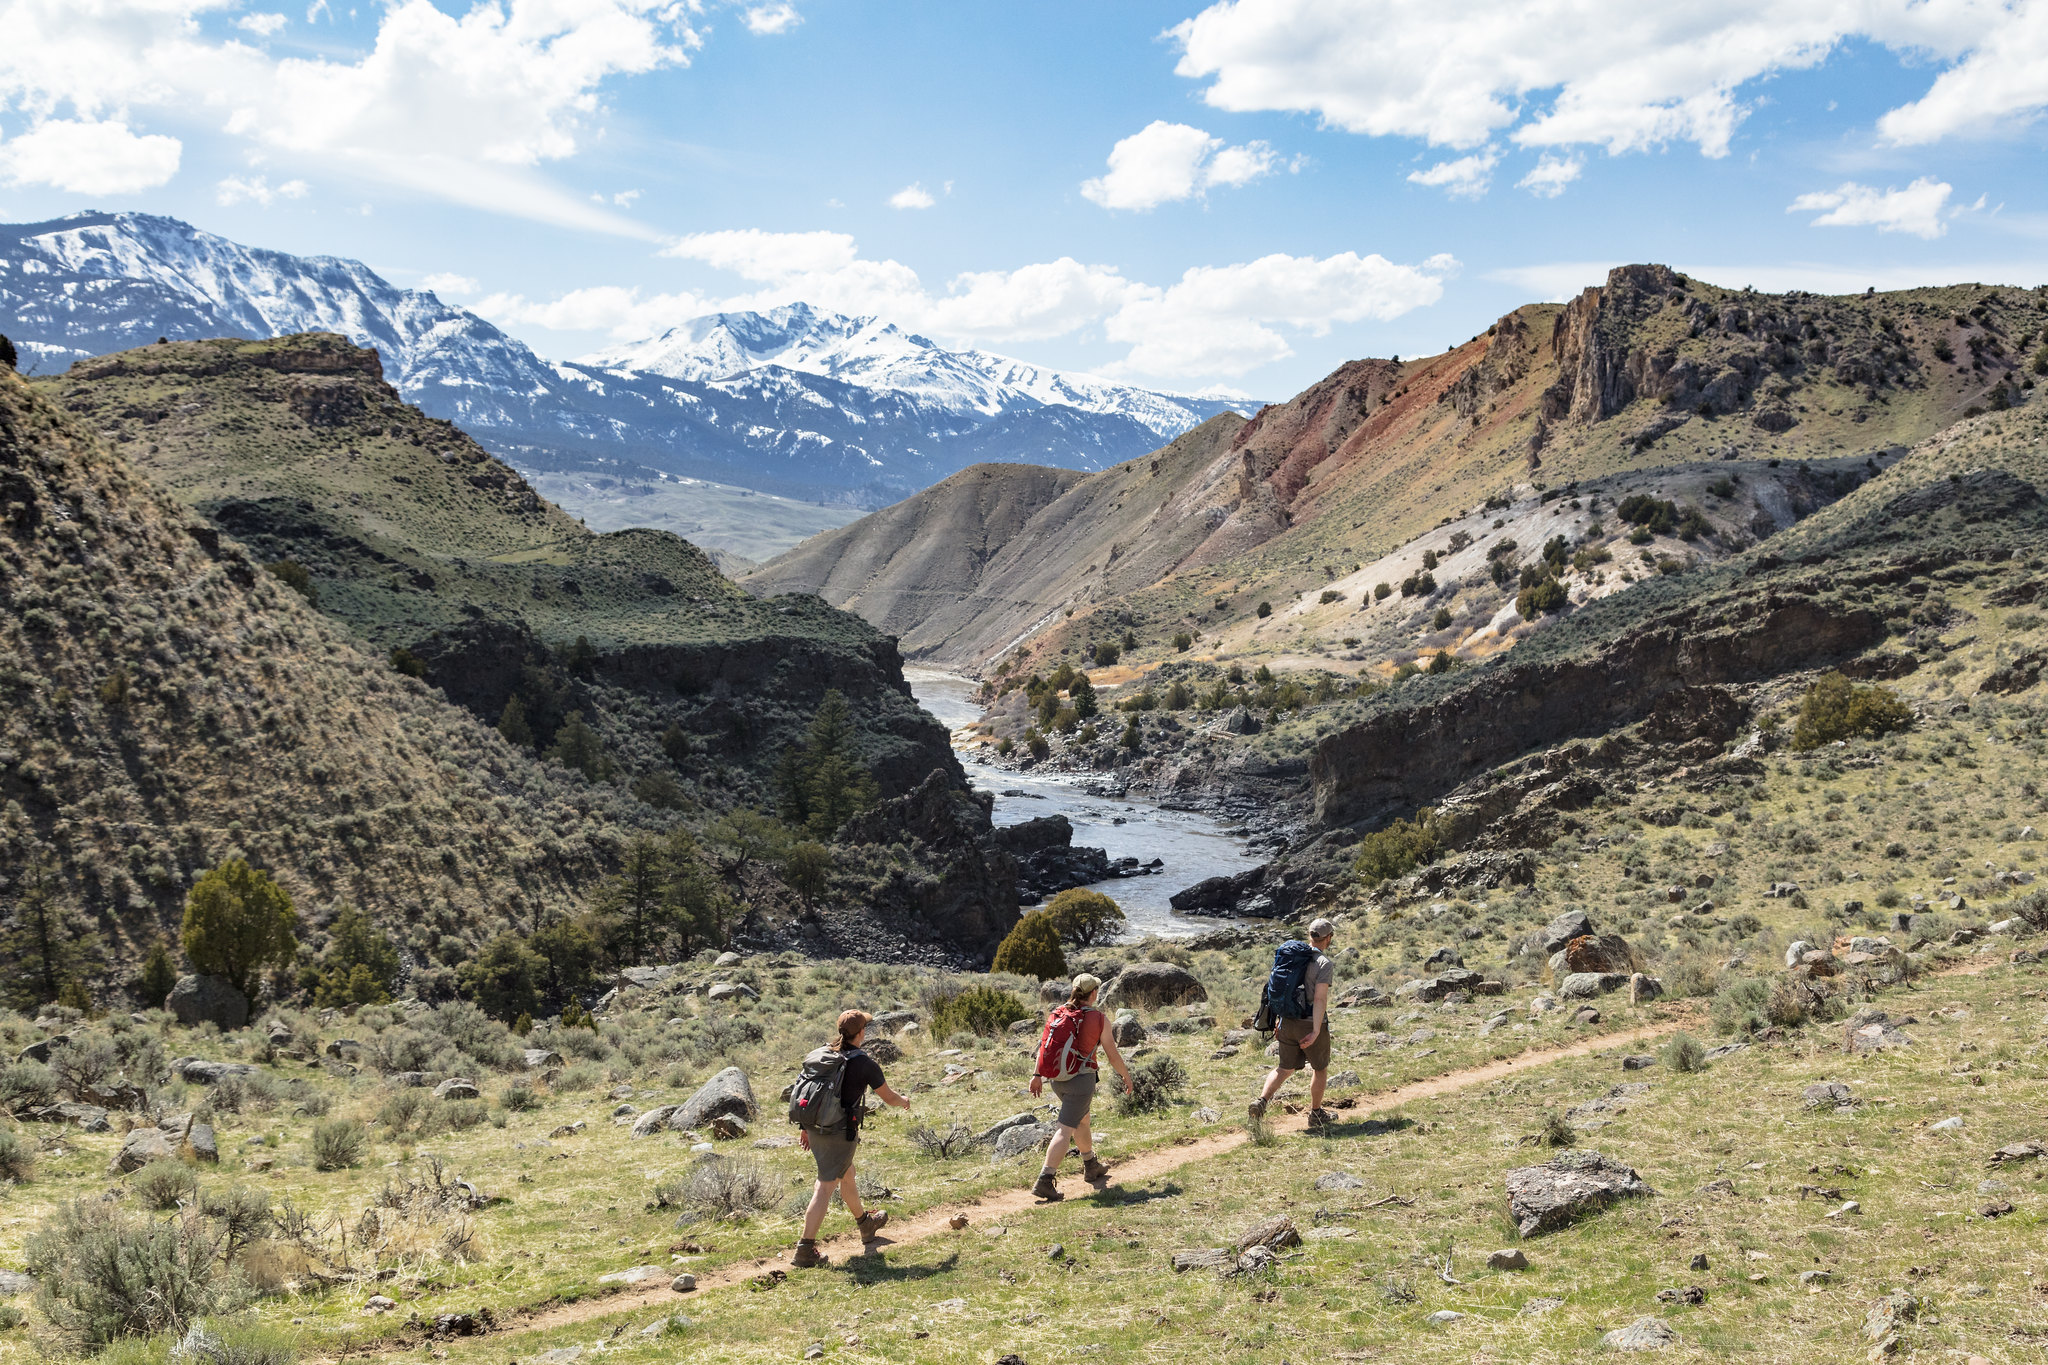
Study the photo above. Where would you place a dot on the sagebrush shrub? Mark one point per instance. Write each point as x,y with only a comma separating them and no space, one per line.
17,1157
1685,1053
519,1097
338,1143
163,1185
956,1139
1154,1086
26,1085
108,1272
981,1010
730,1188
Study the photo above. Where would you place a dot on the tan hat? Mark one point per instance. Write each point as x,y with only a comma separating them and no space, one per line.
1321,928
1083,987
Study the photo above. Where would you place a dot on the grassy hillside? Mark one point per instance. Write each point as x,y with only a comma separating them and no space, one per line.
417,538
167,702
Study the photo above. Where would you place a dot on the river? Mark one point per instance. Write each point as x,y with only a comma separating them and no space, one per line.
1192,846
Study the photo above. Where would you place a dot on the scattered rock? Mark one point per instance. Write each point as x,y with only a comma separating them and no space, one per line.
1512,1258
1128,1030
639,1274
14,1282
1547,1197
1699,1262
1947,1125
116,1095
1273,1233
1566,927
2019,1151
1643,989
1027,1137
198,1071
1809,1278
1208,1258
200,1141
1338,1180
684,1283
728,1127
1692,1295
1644,1334
1591,985
457,1088
1640,1062
1874,1033
1536,1308
377,1303
1443,1317
654,1120
139,1148
726,1093
203,999
1585,1014
1152,985
538,1057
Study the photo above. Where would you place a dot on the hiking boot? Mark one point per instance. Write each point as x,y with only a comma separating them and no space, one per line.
806,1256
1094,1171
870,1223
1319,1118
1047,1188
1257,1108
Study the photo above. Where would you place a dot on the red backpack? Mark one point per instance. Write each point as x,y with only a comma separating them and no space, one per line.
1060,1054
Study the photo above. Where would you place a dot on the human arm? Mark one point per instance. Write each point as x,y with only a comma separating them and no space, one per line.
889,1096
1322,1009
1037,1085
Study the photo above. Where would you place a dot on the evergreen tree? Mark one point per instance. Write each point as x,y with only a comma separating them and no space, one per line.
501,978
577,746
633,906
1032,948
699,906
513,725
237,922
568,950
1082,695
360,966
159,974
821,783
43,946
807,868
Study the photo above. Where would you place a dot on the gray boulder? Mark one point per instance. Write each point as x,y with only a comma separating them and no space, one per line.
1827,1095
203,1144
1566,927
889,1021
1644,1334
725,1093
883,1050
14,1282
116,1095
1153,984
89,1117
1547,1197
1872,1031
653,1121
1128,1030
1338,1180
39,1051
457,1088
1591,985
139,1148
202,999
199,1071
1024,1137
538,1057
732,990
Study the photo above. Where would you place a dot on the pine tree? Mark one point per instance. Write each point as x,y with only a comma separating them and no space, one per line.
501,978
237,922
577,746
513,725
821,783
159,974
360,966
1082,695
43,945
633,906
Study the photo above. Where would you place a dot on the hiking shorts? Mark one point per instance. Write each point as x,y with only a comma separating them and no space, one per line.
1292,1057
833,1152
1077,1097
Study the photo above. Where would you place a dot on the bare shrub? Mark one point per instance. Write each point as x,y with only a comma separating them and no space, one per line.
729,1188
1154,1086
955,1140
242,1214
26,1085
83,1063
519,1097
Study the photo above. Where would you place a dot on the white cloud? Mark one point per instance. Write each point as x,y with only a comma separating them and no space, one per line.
1033,303
1613,73
1465,178
1550,175
624,198
753,254
448,283
1165,162
912,197
89,157
775,18
262,25
237,189
464,107
622,313
1917,209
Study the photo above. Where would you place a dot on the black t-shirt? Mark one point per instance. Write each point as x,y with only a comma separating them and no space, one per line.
861,1074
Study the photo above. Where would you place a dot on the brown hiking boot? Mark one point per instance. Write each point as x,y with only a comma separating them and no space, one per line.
1257,1108
806,1256
1319,1118
1094,1171
871,1223
1047,1188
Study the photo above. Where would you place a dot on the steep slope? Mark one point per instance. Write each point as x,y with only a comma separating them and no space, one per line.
164,702
1649,371
419,539
811,405
967,569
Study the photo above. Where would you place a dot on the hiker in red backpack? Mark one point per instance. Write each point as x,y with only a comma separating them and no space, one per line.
1066,1057
827,1103
1298,1001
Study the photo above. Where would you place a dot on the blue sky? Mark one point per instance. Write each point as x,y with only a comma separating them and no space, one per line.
1241,195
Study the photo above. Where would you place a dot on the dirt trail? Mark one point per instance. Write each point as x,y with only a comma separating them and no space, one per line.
1004,1205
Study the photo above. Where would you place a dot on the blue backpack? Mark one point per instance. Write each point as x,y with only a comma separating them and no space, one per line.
1287,992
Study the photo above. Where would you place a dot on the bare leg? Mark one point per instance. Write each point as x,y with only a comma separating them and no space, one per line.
821,1201
1084,1138
1274,1082
849,1194
1062,1142
1316,1081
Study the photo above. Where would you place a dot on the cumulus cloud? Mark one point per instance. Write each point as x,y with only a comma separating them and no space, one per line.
463,107
1214,322
256,189
262,25
1550,175
449,283
1611,73
776,18
1165,162
1465,178
90,157
912,196
1918,209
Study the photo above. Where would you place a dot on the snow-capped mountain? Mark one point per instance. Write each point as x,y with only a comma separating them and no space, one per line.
793,401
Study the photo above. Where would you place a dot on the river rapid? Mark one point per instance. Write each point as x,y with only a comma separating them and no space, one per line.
1191,845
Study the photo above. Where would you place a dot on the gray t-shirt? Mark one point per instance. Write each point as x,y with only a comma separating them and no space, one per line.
1323,973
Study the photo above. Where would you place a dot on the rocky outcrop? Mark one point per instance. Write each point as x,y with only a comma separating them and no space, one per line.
207,1000
726,1093
959,890
1147,985
1570,1185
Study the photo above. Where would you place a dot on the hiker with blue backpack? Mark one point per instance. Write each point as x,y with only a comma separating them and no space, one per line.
1066,1058
1296,1006
827,1104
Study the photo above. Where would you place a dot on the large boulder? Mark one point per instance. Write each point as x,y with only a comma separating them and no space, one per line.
1601,953
1644,1334
141,1147
1589,985
199,1071
1148,985
204,999
1128,1030
725,1093
457,1088
1024,1137
653,1121
538,1057
1547,1197
1432,989
1566,927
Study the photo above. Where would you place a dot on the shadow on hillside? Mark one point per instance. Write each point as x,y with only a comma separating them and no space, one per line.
1123,1196
869,1267
1365,1127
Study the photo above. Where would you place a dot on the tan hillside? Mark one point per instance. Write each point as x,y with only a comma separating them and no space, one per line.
1650,370
165,702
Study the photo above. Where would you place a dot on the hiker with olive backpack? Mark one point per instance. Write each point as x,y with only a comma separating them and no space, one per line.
827,1104
1066,1057
1296,1006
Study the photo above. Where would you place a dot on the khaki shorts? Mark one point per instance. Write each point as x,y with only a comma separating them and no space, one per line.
1077,1096
833,1151
1292,1058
